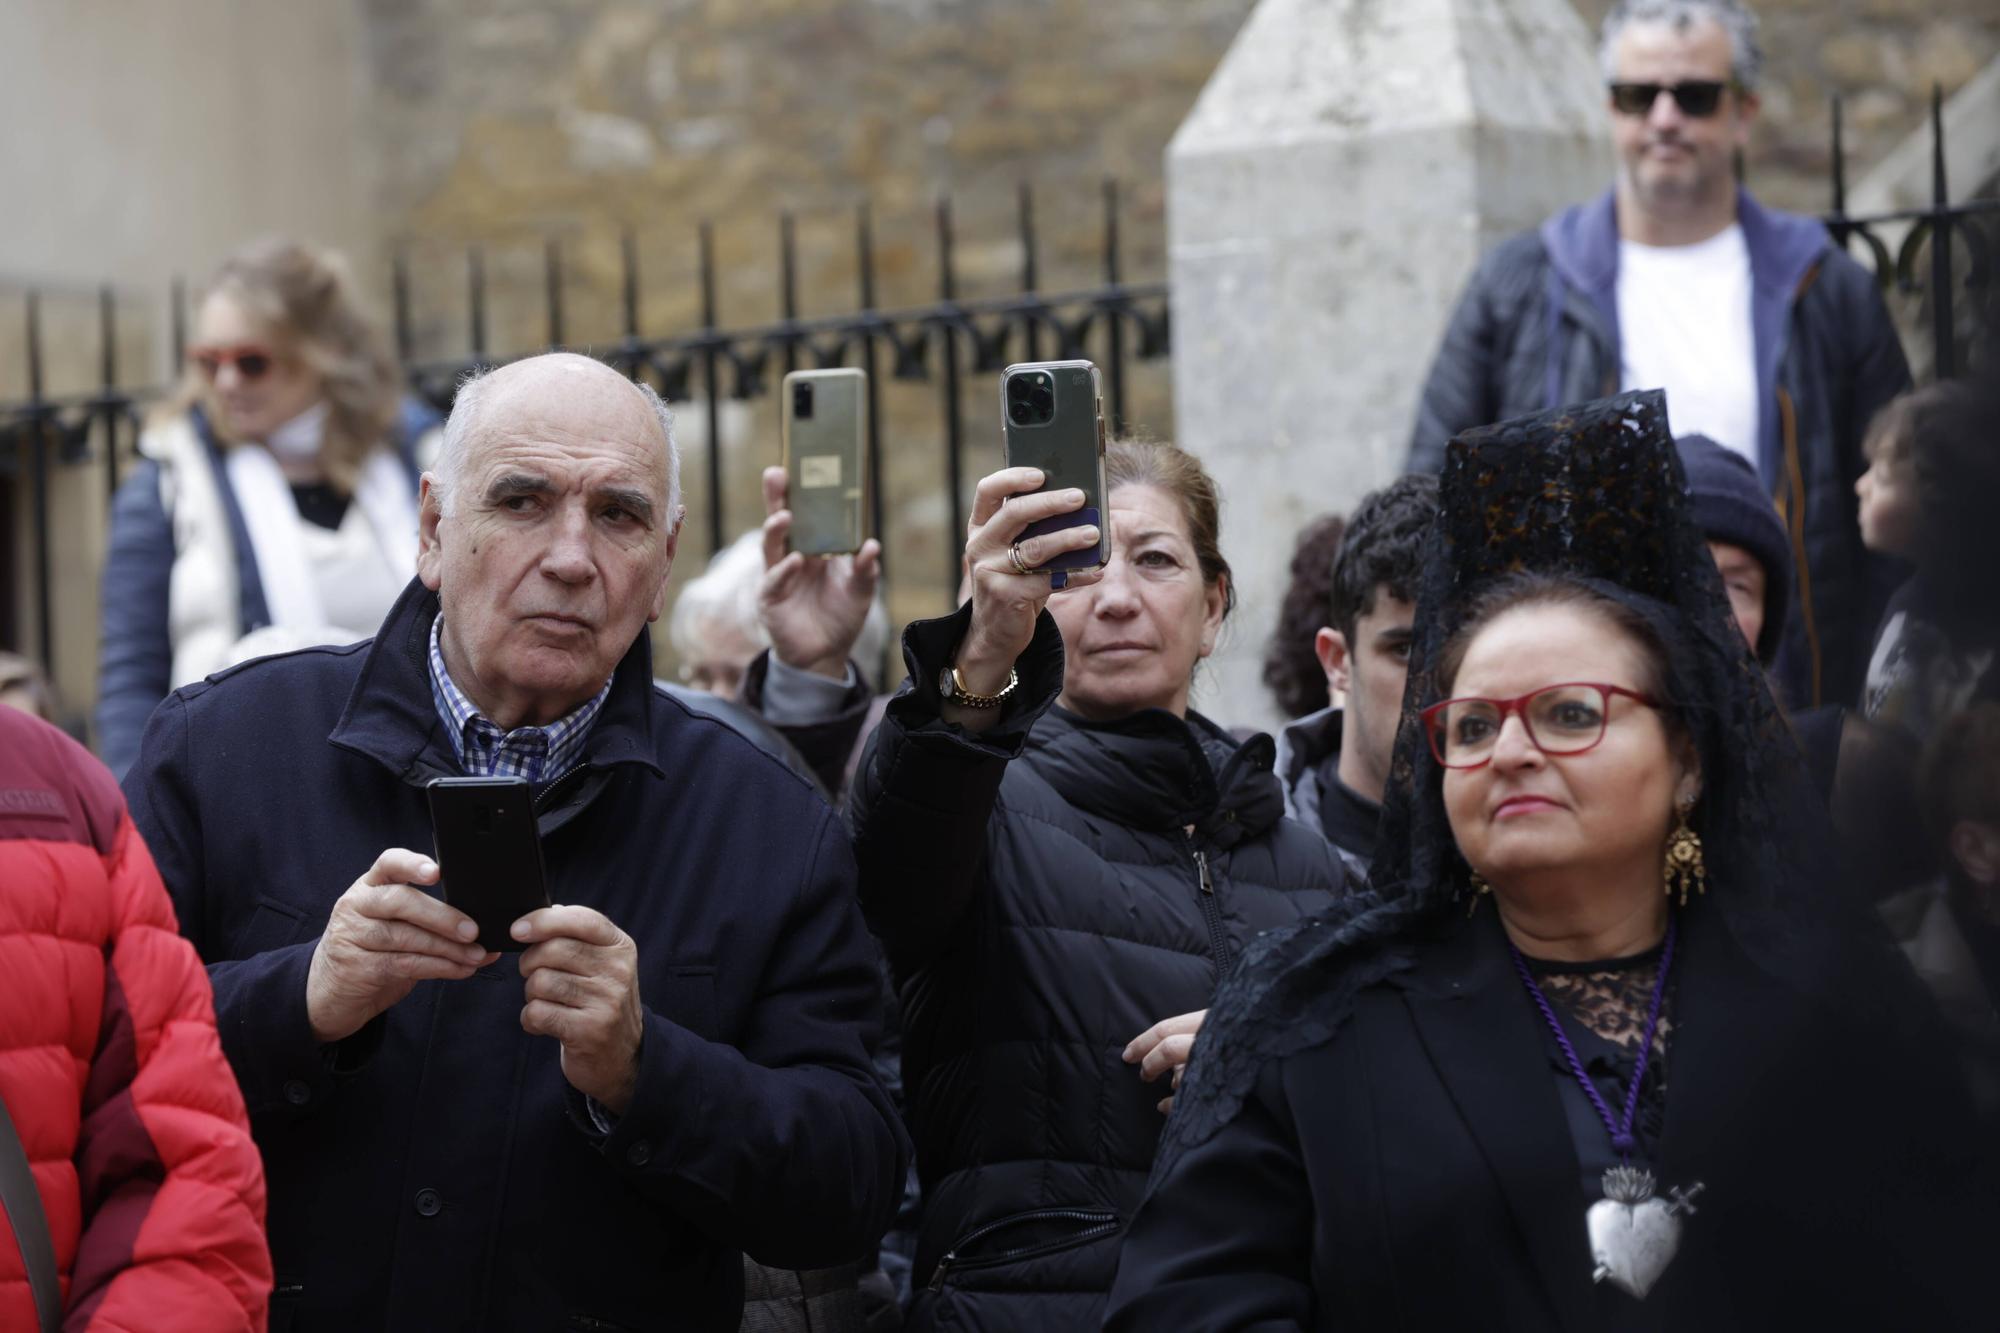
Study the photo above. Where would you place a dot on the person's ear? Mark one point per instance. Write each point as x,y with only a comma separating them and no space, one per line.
430,552
659,607
1748,104
1330,647
1687,789
1976,848
1216,599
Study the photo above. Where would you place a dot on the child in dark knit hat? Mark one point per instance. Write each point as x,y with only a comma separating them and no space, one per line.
1747,539
1745,535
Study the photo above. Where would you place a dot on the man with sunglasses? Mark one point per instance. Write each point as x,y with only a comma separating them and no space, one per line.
1765,335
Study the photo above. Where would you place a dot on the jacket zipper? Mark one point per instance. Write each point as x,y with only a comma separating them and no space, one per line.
1211,910
540,804
1100,1224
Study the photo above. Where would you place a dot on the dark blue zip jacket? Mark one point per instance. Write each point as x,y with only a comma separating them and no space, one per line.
1538,326
436,1171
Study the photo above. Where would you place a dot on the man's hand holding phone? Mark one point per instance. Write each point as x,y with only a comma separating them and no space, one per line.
384,936
813,607
582,976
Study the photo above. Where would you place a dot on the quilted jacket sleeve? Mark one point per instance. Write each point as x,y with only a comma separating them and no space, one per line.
172,1184
926,790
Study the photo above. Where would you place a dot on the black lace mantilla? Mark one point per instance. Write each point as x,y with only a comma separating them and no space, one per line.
1595,491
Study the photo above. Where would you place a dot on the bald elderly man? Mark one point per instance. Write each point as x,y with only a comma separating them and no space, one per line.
587,1133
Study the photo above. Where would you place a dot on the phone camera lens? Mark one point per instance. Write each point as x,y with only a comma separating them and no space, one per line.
1031,399
802,400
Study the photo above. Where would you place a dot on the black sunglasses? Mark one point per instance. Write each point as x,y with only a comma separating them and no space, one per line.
1695,97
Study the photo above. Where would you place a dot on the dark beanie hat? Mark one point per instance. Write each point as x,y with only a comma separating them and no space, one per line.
1731,505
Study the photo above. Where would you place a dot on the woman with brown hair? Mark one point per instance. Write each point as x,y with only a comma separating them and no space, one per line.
1063,860
275,506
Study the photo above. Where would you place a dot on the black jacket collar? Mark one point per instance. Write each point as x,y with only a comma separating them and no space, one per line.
1485,1043
391,718
1154,771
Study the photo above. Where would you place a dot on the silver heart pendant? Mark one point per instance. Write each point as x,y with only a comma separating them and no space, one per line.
1633,1236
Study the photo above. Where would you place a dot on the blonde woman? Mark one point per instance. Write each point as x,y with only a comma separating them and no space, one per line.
275,506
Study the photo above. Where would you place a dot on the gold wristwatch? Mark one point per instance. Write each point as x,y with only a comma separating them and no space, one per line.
954,691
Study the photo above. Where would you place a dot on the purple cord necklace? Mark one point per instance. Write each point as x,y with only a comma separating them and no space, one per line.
1622,1141
1633,1235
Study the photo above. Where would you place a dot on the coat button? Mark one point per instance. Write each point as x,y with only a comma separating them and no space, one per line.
429,1203
297,1091
639,1153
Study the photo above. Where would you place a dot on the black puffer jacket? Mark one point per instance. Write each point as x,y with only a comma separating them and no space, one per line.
1043,904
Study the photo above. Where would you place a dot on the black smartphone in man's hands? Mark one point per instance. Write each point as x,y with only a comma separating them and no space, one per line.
489,853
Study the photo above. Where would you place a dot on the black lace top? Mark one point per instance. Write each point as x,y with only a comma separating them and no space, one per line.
1603,1008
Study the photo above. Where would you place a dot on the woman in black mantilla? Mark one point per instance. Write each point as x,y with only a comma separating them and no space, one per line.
1609,1045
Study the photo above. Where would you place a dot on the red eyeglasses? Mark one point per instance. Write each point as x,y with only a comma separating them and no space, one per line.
1559,719
251,361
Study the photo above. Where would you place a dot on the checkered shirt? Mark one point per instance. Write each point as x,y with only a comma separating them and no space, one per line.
539,754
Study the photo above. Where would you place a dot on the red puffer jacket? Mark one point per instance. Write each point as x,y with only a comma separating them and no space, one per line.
111,1067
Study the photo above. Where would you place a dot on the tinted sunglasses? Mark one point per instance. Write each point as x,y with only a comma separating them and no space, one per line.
251,362
1696,97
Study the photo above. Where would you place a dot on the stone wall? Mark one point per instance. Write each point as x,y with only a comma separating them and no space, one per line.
156,143
500,123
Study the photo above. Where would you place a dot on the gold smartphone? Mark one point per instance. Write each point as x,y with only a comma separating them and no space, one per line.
1053,414
826,458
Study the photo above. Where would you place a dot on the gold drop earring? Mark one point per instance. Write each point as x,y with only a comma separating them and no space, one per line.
1685,867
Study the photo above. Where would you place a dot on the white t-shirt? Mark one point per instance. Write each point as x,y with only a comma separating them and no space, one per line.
1684,326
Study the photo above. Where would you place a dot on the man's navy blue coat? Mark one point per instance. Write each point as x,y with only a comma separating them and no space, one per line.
435,1170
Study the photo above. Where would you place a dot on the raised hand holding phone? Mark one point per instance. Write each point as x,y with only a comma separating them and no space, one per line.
1008,591
813,607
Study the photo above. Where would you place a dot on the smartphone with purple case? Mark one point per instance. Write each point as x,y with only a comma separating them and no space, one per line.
1053,415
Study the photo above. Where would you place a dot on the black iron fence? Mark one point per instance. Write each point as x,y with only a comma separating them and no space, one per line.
1945,258
1960,328
1114,322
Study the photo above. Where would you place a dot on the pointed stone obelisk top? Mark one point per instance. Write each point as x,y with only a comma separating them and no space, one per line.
1343,170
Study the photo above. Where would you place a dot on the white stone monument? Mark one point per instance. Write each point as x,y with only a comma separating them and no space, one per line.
1344,168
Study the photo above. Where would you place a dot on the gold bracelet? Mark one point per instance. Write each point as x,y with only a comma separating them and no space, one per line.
954,691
